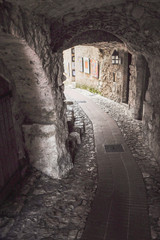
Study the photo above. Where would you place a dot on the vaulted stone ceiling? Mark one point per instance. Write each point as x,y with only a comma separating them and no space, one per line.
134,22
107,45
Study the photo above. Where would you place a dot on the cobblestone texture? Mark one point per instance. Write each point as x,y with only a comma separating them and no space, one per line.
132,131
57,209
44,208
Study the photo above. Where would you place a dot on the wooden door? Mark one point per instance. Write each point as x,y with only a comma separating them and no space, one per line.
8,150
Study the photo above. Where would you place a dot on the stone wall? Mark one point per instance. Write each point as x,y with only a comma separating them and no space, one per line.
110,82
34,107
112,76
47,105
138,85
82,78
151,111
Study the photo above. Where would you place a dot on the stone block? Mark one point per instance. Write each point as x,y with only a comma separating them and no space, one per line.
75,136
68,102
41,144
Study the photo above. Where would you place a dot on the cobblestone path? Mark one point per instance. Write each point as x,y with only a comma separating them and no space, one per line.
119,210
43,208
132,131
49,209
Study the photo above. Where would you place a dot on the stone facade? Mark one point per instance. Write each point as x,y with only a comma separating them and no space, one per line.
111,78
82,78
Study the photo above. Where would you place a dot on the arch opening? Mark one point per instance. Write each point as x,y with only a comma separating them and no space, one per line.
112,80
136,76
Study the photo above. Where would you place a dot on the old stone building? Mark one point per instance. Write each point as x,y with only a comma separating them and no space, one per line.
33,36
106,76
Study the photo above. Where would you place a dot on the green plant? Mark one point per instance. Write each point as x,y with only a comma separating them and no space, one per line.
90,89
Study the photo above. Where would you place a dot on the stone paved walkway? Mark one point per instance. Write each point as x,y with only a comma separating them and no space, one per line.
132,131
43,208
49,209
119,210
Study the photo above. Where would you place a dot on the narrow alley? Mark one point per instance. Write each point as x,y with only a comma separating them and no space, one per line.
47,208
79,120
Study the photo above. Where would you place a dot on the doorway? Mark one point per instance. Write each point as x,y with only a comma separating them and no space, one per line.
126,78
9,169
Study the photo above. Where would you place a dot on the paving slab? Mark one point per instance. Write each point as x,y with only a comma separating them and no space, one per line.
119,210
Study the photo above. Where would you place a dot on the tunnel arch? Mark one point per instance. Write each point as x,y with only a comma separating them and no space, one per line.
91,37
50,26
128,26
56,24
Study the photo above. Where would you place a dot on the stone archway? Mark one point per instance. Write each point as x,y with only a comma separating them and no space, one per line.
137,82
52,26
134,69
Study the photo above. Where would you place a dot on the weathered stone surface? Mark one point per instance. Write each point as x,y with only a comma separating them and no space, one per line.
151,116
139,79
34,103
76,137
46,208
76,128
137,12
72,18
133,133
41,145
110,82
